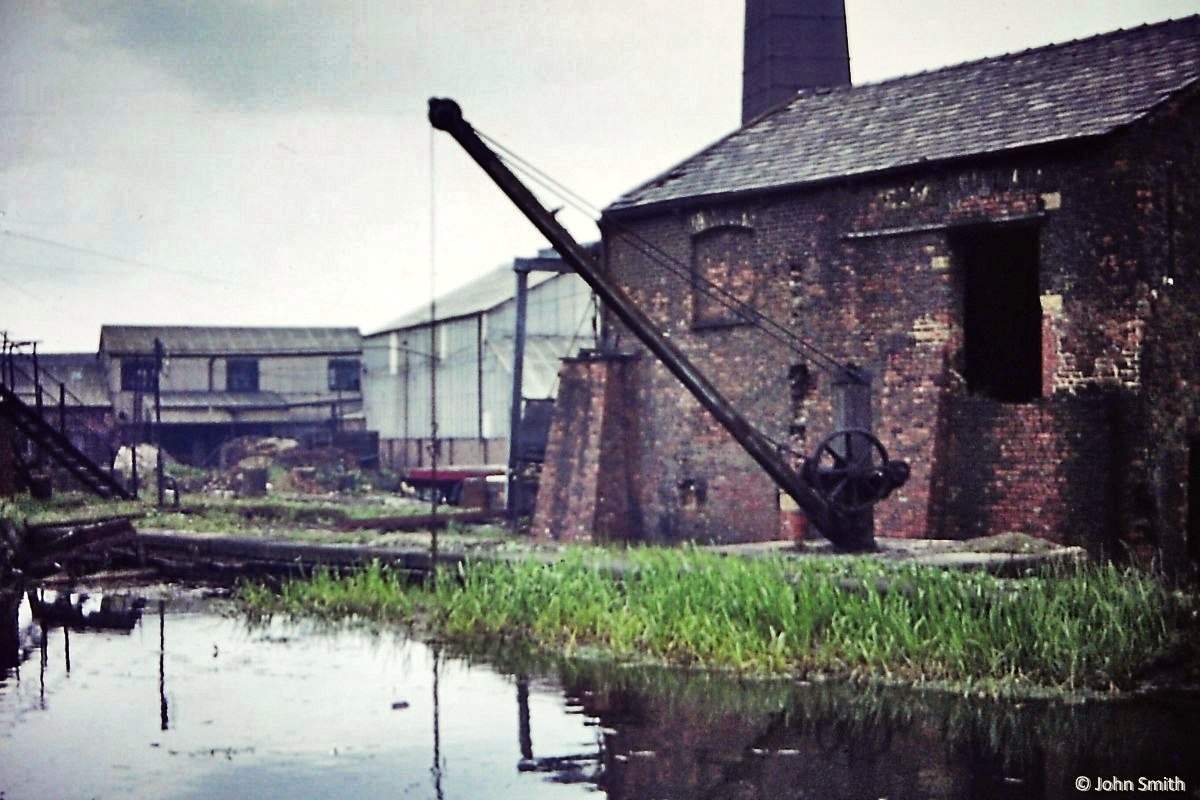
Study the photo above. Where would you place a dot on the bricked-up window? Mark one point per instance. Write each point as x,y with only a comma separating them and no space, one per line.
345,375
722,269
241,375
137,375
1002,312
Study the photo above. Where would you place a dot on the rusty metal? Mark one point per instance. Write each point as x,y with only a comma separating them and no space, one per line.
844,527
851,469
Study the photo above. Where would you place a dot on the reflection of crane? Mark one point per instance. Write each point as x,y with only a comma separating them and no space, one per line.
850,469
564,768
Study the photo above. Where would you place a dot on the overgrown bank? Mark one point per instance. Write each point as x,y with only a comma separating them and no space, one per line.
1095,628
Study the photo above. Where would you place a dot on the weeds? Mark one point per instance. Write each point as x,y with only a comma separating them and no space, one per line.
376,593
1090,629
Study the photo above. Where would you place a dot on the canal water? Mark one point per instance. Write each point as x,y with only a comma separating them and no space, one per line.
118,695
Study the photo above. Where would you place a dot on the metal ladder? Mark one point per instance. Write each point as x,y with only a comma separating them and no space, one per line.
58,447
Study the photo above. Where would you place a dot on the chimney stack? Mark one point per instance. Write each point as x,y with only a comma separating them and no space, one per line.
792,45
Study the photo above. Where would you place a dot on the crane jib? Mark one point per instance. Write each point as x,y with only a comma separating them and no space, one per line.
840,523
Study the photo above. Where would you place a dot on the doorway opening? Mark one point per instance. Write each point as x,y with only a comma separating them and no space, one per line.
1002,312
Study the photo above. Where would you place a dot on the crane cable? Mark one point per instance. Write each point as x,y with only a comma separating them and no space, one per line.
756,318
713,291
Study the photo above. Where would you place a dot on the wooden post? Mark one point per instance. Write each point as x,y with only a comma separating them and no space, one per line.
8,474
158,467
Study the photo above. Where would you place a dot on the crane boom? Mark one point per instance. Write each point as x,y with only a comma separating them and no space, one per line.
827,517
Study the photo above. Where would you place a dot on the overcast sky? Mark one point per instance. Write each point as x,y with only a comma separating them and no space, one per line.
254,162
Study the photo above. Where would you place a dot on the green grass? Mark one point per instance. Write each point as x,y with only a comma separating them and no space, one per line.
208,514
375,593
1093,628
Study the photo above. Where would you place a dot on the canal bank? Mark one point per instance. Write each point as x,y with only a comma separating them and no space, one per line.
181,553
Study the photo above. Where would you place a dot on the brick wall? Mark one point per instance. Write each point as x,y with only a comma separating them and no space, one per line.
871,271
1045,468
589,478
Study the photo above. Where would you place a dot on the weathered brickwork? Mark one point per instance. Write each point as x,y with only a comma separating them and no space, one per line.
872,271
1045,468
589,475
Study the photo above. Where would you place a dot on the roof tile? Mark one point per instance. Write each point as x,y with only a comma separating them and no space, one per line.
1084,88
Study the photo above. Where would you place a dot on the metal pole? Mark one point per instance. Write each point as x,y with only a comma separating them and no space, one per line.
37,382
158,365
518,395
133,465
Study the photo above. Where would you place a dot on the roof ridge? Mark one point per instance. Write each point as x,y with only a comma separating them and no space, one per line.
1008,55
1084,87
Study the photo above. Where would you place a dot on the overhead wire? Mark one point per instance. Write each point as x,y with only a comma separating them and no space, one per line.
108,256
768,325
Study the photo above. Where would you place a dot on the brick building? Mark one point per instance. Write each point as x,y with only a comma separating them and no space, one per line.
1009,246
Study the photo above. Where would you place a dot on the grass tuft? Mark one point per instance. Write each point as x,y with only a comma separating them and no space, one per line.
1092,628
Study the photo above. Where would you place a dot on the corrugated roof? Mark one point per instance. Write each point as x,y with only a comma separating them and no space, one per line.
249,400
224,400
1084,88
186,340
481,295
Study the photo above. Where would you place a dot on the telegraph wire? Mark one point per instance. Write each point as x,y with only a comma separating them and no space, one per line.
133,262
23,290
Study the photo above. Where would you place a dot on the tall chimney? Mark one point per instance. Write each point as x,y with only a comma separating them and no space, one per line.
792,45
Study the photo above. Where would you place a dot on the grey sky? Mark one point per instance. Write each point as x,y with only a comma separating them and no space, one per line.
269,163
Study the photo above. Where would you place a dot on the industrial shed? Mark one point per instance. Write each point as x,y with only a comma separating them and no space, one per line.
217,383
473,336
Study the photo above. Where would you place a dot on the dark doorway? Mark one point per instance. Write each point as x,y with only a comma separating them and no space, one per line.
1193,500
1002,312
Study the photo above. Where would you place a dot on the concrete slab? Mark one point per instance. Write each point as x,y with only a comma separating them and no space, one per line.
1005,554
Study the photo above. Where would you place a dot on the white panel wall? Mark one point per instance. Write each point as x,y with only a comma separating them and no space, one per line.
397,379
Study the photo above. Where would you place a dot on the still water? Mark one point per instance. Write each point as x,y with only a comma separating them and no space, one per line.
184,700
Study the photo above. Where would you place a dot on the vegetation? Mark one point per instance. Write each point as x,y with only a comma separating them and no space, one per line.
215,514
1092,628
376,593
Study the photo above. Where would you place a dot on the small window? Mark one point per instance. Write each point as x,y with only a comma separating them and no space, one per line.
137,375
1002,312
723,276
241,375
345,375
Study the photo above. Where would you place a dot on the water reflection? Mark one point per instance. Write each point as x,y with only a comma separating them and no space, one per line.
278,709
667,734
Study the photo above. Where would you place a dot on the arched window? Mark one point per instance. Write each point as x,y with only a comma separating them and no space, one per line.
723,276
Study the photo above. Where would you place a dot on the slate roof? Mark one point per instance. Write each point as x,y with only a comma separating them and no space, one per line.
1089,87
196,399
224,400
203,341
